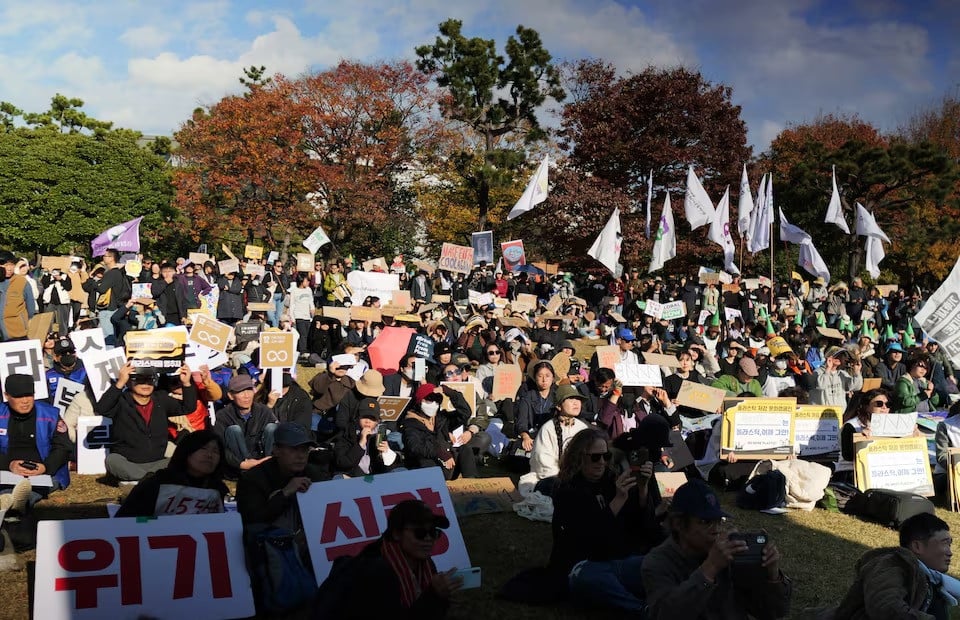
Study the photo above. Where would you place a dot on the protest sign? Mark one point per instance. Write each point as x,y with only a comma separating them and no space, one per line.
701,397
335,312
365,313
469,391
133,268
710,278
422,346
277,350
778,345
653,308
673,310
373,284
198,258
8,478
191,566
254,252
886,289
255,270
513,254
893,424
829,332
67,390
759,428
871,384
482,243
456,258
317,239
392,407
816,429
479,496
669,481
103,368
39,326
895,464
940,315
49,263
658,359
85,340
93,444
161,349
304,262
226,250
378,264
141,290
24,357
525,302
198,355
248,332
731,314
341,517
506,382
401,299
553,304
229,266
210,333
704,315
751,284
634,375
608,356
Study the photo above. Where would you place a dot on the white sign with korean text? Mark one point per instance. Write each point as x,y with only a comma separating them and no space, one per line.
103,367
67,390
633,375
93,444
24,357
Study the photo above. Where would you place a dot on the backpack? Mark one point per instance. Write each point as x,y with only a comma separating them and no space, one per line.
282,579
888,508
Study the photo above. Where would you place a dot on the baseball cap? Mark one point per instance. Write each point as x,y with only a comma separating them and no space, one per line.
567,391
369,408
423,392
749,367
697,499
894,346
240,383
18,386
63,345
626,334
292,434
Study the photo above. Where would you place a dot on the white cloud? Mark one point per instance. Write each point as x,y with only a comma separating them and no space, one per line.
146,37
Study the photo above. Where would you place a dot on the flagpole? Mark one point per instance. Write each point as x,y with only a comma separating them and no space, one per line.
740,266
772,283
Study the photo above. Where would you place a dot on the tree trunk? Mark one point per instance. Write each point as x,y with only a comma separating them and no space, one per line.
483,191
284,249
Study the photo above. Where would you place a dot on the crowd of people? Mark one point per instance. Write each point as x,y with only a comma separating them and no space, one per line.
566,430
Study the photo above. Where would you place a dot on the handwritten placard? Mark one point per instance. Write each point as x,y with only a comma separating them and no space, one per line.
701,397
669,481
608,356
506,382
253,251
456,258
478,496
673,310
893,424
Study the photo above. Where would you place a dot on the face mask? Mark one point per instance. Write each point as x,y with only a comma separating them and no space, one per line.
68,360
780,364
408,374
429,408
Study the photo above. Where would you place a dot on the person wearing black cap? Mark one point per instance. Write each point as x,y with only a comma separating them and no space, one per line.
266,493
33,437
246,427
399,563
66,365
140,419
442,355
688,576
364,450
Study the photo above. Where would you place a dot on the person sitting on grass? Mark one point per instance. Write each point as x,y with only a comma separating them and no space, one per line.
191,484
552,440
246,428
906,581
689,575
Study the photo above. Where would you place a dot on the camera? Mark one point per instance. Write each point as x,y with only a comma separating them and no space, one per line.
637,458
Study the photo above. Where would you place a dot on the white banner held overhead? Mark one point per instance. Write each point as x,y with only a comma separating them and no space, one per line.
940,315
370,283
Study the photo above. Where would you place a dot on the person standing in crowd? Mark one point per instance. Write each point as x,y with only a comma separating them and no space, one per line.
190,286
247,428
331,281
230,308
113,290
17,302
56,287
140,417
301,310
689,575
172,305
192,483
277,282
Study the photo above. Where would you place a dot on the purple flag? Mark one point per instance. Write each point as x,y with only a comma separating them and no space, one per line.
124,237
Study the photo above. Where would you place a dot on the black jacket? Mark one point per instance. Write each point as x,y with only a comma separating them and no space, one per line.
295,406
423,447
259,497
347,453
142,501
261,415
133,438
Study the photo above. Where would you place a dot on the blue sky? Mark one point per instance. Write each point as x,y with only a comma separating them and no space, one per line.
147,65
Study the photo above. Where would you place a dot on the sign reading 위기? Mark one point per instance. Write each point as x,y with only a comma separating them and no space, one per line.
759,427
277,350
340,517
456,258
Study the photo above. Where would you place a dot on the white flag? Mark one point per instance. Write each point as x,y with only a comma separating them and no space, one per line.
606,248
762,218
696,204
834,209
665,245
720,233
867,225
649,198
875,254
791,233
811,260
535,193
745,206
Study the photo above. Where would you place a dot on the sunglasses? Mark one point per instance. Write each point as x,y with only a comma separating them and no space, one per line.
596,456
493,352
451,373
924,366
880,403
423,533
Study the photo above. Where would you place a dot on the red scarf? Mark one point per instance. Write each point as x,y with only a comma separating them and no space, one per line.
413,579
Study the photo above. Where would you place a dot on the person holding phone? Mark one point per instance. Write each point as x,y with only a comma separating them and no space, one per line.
365,450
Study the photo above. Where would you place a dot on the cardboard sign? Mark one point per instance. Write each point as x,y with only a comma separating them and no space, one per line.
198,258
39,325
304,262
229,266
658,359
392,407
673,310
701,397
67,390
479,496
103,368
93,444
49,263
372,284
506,382
871,384
368,314
334,312
525,302
816,429
189,566
162,349
24,357
210,333
895,464
710,278
456,258
751,284
441,299
669,481
254,270
653,308
277,350
317,239
759,428
226,250
731,314
469,391
777,346
253,251
829,332
402,300
886,289
893,424
554,304
635,375
608,356
341,517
